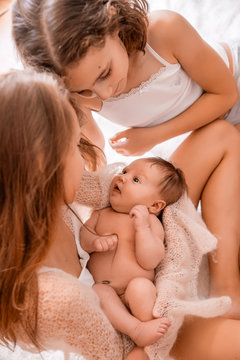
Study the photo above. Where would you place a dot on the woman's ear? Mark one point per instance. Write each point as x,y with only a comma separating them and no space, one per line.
157,207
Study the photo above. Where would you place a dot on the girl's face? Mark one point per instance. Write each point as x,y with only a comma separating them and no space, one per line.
102,71
74,163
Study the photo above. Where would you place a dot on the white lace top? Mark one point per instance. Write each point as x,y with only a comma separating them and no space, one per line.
165,95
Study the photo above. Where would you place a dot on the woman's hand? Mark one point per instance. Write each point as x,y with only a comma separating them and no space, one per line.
133,142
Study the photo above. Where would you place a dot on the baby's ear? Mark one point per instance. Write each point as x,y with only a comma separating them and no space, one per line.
157,207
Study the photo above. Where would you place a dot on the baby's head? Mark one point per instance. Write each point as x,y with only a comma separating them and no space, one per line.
152,181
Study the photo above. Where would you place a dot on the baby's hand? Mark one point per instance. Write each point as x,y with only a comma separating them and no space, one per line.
105,243
140,215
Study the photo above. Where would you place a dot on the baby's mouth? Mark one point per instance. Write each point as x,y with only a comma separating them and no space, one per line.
116,188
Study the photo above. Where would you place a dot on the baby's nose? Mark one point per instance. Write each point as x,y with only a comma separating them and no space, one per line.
123,178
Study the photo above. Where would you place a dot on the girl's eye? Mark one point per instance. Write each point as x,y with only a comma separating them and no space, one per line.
104,77
135,179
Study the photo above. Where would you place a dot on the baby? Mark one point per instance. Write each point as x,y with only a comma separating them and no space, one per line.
123,265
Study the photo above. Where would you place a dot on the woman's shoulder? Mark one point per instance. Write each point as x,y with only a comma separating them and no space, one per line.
61,296
58,288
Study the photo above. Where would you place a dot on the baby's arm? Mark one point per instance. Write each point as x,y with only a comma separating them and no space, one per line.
149,236
91,241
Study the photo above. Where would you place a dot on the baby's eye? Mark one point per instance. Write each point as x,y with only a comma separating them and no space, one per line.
124,172
135,179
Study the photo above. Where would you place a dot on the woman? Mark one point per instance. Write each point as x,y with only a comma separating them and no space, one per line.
44,302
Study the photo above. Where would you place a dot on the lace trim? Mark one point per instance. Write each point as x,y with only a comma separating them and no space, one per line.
140,88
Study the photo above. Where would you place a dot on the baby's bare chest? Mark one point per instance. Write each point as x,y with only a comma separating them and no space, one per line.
122,225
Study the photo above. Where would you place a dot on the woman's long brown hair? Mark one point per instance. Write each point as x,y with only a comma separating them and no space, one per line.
35,132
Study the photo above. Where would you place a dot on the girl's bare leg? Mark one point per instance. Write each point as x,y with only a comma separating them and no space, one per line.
238,126
210,159
141,332
210,339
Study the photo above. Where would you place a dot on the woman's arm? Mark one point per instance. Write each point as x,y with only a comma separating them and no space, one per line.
176,40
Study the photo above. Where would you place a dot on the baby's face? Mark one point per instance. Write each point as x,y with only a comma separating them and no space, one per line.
138,184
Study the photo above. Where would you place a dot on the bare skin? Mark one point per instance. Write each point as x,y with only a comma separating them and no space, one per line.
217,189
171,36
141,332
137,354
129,267
211,339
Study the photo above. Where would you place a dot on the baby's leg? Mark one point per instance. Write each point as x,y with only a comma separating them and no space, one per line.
140,297
142,333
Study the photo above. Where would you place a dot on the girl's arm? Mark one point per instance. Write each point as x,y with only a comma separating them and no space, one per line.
176,40
149,236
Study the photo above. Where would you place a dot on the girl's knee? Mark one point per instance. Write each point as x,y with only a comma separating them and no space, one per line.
222,130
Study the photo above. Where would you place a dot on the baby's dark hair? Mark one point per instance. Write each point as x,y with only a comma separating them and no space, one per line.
172,185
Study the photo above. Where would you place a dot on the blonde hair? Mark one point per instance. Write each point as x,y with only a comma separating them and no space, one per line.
52,34
35,131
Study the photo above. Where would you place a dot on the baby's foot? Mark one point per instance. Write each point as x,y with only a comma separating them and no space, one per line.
148,332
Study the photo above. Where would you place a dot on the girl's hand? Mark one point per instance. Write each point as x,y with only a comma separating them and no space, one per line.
105,243
133,142
140,215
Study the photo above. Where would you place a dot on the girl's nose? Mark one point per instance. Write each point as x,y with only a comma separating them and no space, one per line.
105,92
